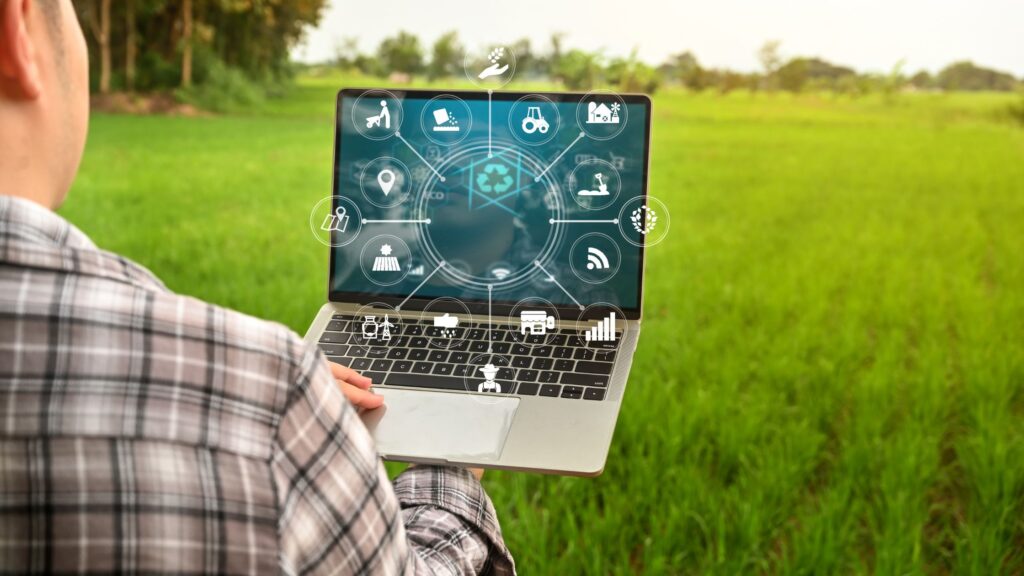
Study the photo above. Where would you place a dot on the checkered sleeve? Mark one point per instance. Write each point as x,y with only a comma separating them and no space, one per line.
339,514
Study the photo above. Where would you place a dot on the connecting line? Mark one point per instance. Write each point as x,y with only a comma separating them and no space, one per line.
559,157
420,156
424,221
429,276
552,278
490,153
490,322
612,221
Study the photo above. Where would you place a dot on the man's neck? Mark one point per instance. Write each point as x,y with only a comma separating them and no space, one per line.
24,172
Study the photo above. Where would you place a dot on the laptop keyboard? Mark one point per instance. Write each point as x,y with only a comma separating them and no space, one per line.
558,365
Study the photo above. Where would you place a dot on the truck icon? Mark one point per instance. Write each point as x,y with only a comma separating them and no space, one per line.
536,322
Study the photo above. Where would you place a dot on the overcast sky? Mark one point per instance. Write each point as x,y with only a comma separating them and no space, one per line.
869,35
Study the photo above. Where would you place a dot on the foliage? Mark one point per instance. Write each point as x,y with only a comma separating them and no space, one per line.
220,88
632,75
580,70
446,57
401,53
830,377
967,76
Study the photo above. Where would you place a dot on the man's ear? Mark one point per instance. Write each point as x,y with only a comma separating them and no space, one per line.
19,63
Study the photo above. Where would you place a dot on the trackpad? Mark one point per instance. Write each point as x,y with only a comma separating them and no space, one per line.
442,426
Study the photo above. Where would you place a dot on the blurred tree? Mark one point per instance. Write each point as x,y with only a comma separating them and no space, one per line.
631,75
97,14
792,76
769,57
580,70
922,80
401,53
186,43
446,56
967,76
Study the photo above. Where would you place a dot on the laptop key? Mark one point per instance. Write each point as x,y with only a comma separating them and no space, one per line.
381,365
505,374
558,340
478,346
605,355
574,392
530,389
443,369
334,338
583,354
337,325
401,366
422,367
334,349
425,381
418,342
550,390
593,393
594,367
541,351
343,360
528,376
549,377
462,370
520,361
438,356
361,364
501,347
377,352
543,363
459,357
585,379
520,350
418,354
414,330
562,352
398,353
564,365
376,377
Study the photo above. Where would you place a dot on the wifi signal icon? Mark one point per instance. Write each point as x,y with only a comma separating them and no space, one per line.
596,260
500,273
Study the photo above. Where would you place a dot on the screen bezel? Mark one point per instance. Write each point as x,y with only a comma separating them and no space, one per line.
479,306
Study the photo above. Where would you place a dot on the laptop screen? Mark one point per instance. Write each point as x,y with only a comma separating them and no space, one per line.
489,200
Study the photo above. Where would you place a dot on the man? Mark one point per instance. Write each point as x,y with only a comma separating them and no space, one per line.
141,431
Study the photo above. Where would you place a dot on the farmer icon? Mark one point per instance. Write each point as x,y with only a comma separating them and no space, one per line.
489,385
384,115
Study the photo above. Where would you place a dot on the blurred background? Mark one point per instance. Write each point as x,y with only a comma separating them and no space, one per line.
831,371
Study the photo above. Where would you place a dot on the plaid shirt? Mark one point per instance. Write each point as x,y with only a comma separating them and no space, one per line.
142,431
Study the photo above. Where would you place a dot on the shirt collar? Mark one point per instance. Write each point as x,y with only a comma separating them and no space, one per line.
35,237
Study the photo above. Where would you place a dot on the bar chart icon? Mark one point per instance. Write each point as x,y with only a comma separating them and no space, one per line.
603,332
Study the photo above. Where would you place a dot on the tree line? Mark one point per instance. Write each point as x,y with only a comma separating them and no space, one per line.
154,45
403,56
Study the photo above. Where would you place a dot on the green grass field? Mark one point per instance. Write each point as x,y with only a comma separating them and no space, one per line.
831,371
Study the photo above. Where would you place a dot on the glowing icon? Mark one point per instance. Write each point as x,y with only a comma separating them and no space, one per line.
489,385
535,322
336,221
602,187
603,113
603,332
534,121
500,273
417,269
644,219
596,260
384,115
444,121
447,323
386,262
496,68
386,179
374,330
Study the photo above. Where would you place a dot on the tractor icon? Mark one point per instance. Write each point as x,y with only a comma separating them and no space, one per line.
535,121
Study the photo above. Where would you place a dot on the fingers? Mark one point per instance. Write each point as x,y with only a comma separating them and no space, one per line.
346,374
361,398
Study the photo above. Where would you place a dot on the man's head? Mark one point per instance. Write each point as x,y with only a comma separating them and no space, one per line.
44,98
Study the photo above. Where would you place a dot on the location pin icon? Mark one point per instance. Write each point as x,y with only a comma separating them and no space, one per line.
386,179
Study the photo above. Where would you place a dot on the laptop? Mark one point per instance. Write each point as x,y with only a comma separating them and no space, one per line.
486,270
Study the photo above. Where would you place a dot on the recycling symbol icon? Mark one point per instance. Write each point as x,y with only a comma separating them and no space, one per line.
494,179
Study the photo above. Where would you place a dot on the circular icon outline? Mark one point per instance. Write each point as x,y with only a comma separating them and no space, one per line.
626,220
428,322
552,133
572,182
403,268
383,95
463,133
313,227
585,100
474,377
613,269
361,315
405,195
589,324
514,319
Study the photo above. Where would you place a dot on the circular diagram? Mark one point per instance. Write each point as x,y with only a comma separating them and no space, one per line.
533,321
492,68
385,260
495,201
446,120
534,120
385,182
446,323
595,258
602,115
335,221
644,221
376,325
594,184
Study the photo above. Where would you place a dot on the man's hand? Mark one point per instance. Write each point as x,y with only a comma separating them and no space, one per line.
355,387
